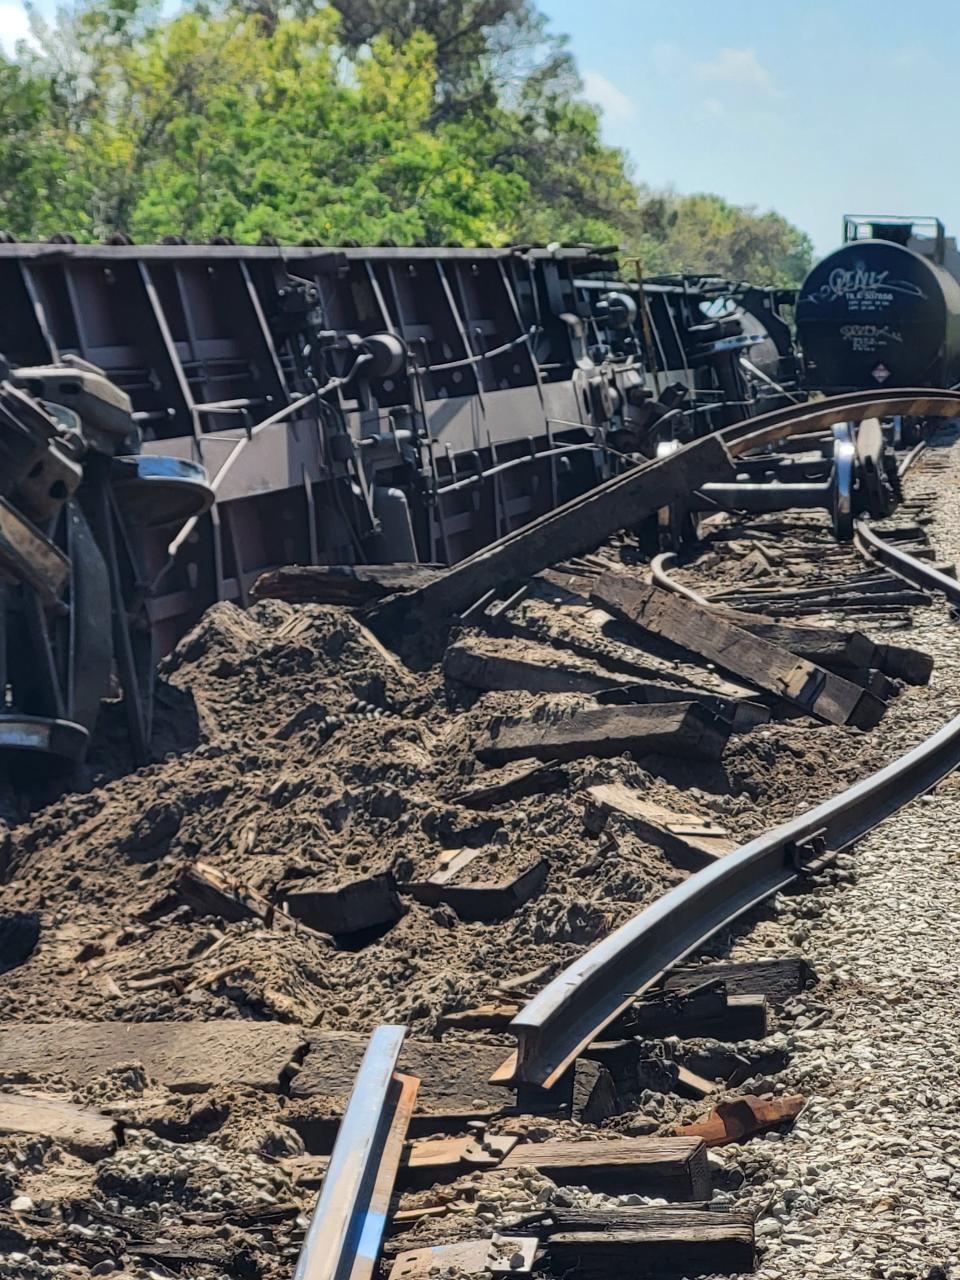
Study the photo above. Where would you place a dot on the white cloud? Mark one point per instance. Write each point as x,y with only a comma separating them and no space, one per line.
613,102
14,25
738,69
667,57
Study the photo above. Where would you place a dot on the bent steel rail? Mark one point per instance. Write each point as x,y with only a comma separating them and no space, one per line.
581,1001
912,458
346,1230
918,572
579,525
660,576
854,406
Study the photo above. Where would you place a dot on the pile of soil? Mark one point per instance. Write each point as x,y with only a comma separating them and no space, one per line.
302,753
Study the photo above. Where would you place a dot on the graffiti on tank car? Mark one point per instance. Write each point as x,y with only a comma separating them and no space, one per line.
869,337
863,290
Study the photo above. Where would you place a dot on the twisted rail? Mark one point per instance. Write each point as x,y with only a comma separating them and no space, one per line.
553,1028
579,525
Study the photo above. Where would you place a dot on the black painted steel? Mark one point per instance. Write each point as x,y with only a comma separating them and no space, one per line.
876,314
473,387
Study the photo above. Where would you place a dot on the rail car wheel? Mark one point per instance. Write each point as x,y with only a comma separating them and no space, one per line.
841,491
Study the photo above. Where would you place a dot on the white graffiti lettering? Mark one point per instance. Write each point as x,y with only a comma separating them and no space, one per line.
869,337
878,333
862,289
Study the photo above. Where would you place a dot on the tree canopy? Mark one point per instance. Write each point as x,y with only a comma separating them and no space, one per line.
705,233
429,121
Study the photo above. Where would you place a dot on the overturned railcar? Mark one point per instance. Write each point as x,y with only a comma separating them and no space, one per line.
347,405
180,418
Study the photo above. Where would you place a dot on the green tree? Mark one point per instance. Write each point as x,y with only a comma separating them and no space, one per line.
211,125
30,167
705,234
414,120
500,68
488,52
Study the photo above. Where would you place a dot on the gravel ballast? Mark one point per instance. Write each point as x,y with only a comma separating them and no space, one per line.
867,1183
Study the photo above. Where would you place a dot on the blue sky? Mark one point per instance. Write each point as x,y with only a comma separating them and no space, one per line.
814,109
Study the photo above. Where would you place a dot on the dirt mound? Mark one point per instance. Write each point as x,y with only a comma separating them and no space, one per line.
318,762
318,774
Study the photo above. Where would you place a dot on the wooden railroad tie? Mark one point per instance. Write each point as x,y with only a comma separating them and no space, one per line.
675,728
696,628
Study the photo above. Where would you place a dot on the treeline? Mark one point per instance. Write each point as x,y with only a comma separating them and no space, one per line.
419,121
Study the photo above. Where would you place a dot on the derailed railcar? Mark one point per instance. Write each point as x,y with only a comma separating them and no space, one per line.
305,406
451,396
721,349
269,406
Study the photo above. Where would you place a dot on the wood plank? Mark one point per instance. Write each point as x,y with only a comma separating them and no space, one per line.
861,583
743,712
557,1221
84,1132
708,1010
827,646
838,601
677,728
643,1166
692,1085
483,1017
568,531
716,1246
779,979
593,1093
694,840
696,628
871,678
512,782
348,907
188,1057
904,662
594,633
605,643
493,899
211,892
541,670
344,584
